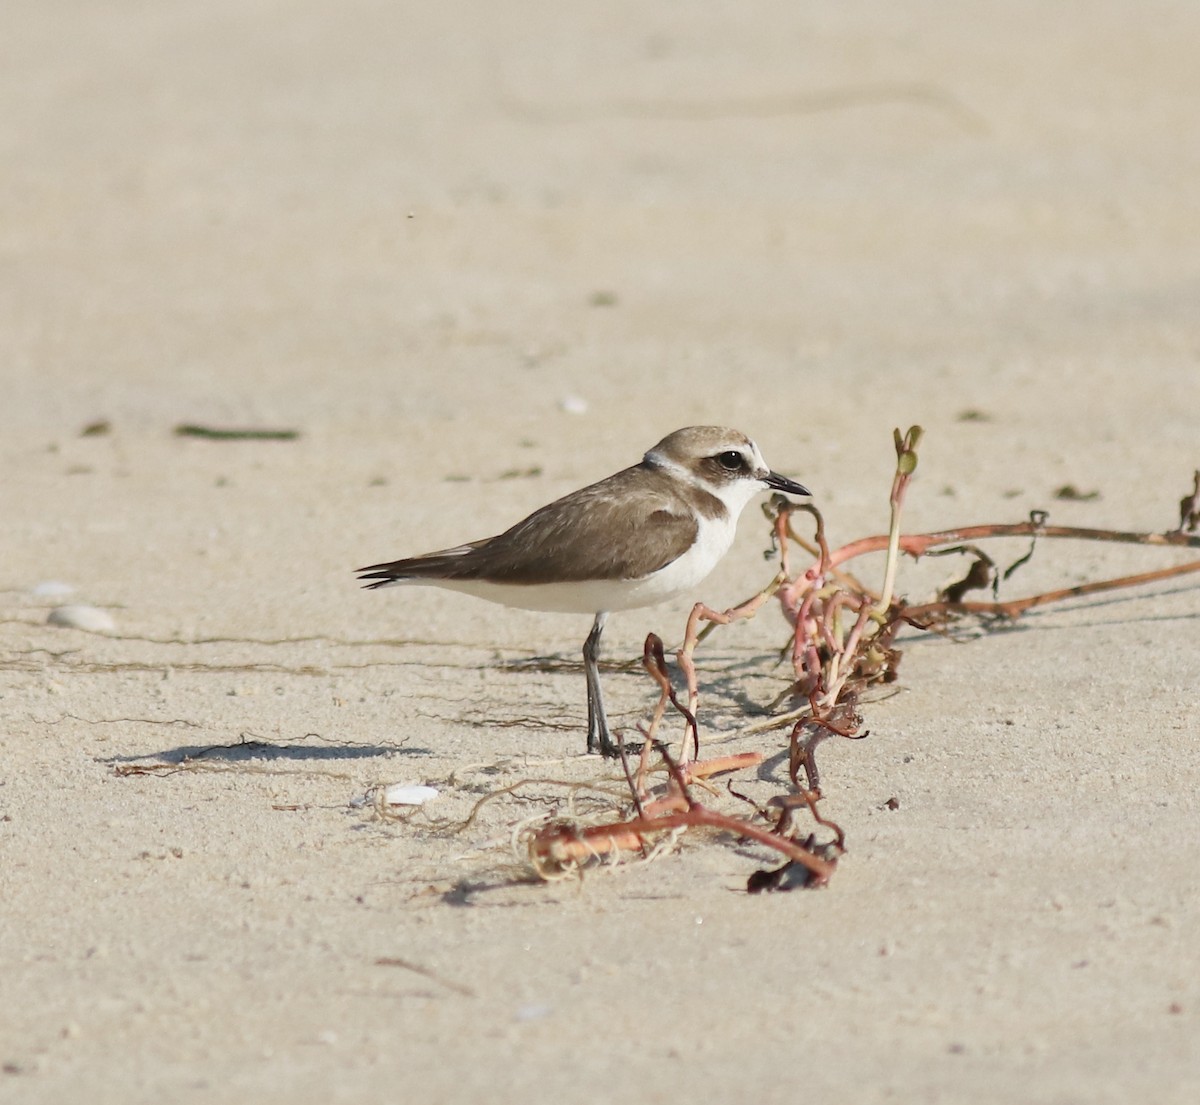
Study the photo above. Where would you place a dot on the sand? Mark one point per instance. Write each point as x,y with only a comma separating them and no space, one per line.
479,255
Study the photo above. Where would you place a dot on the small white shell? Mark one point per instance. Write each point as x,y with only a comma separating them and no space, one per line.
88,618
534,1012
52,589
573,404
409,794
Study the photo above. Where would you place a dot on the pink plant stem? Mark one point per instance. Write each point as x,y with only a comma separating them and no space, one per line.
627,834
803,643
691,638
917,544
1019,606
839,672
828,620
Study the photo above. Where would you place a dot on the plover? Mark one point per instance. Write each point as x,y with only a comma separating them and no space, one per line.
640,537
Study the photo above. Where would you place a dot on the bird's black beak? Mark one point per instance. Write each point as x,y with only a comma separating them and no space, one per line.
776,482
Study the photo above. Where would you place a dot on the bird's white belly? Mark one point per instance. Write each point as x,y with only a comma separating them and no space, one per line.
590,596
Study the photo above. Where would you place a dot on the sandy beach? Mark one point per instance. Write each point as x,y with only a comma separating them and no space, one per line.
477,256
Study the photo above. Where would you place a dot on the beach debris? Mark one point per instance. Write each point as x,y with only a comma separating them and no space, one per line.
409,794
426,972
562,847
51,589
1189,508
91,619
573,404
214,433
533,1012
842,642
1069,493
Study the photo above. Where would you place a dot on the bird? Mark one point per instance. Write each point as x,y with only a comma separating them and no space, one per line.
642,536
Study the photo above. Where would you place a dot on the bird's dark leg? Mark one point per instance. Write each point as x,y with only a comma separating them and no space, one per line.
598,739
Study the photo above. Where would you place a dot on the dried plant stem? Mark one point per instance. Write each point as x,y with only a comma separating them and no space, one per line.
718,765
655,663
1016,607
918,544
566,845
691,638
843,642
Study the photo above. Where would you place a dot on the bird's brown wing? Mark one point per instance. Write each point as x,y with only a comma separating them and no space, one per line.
625,527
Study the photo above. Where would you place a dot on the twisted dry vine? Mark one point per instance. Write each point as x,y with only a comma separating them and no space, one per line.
843,641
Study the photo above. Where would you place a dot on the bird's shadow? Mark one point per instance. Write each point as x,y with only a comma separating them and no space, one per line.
245,750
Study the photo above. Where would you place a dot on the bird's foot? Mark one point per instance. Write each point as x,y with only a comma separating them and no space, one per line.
601,741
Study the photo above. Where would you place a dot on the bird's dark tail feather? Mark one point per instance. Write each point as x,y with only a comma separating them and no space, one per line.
381,578
434,566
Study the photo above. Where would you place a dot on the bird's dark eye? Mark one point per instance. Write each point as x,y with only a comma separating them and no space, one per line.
731,461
